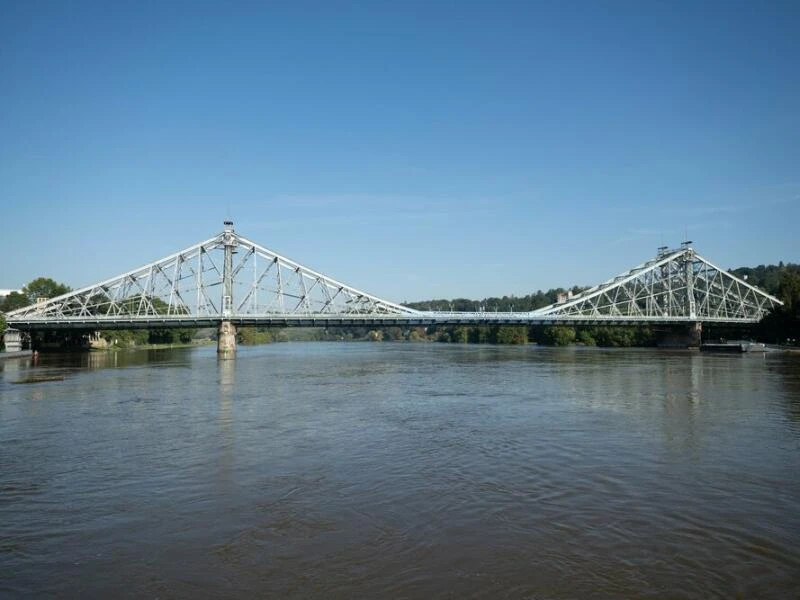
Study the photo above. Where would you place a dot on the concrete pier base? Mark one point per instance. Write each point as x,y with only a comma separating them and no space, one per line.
13,340
226,340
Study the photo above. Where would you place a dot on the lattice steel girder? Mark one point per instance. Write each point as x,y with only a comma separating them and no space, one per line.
675,284
192,283
188,288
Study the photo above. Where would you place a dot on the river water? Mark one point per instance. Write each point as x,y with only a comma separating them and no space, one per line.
391,470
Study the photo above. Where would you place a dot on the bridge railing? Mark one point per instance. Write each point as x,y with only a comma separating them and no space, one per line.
354,320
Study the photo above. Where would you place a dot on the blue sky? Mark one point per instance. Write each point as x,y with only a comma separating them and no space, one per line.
414,150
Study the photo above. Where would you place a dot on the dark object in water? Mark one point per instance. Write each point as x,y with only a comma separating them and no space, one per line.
40,378
737,346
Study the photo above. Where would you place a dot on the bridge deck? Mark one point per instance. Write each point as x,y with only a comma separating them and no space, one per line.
322,320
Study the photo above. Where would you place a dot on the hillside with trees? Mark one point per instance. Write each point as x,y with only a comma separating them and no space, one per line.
783,282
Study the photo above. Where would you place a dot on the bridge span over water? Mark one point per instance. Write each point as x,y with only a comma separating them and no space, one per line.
229,280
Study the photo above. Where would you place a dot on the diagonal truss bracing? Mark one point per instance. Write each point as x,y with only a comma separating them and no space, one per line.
191,283
676,284
231,277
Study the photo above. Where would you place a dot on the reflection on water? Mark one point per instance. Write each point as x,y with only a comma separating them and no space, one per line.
401,470
227,383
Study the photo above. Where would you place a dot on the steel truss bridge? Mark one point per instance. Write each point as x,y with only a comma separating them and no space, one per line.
230,278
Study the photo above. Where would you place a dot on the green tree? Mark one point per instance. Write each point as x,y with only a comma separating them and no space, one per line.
585,337
612,336
126,337
789,291
418,335
393,333
559,335
161,336
482,334
789,313
459,335
44,287
13,301
512,334
250,336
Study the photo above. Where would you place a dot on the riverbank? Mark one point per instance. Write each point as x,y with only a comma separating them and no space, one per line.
153,346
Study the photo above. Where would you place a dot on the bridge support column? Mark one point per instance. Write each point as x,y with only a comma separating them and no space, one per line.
226,340
695,335
13,340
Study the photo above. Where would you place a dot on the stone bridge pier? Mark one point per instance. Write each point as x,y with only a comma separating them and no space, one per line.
13,340
226,340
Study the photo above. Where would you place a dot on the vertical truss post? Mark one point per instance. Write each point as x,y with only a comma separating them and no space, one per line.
229,242
226,336
688,269
199,282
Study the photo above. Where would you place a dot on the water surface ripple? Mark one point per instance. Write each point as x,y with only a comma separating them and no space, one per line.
401,471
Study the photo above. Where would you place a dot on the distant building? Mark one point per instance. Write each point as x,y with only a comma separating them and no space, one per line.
564,297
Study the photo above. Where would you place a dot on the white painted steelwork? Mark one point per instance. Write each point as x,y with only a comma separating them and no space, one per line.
229,277
209,280
676,284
